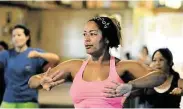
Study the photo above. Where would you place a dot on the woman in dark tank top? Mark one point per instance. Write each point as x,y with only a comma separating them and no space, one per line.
160,97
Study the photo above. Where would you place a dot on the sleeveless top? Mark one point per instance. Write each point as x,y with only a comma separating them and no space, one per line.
90,94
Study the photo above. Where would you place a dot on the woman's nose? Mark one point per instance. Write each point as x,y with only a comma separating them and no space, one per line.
157,63
87,38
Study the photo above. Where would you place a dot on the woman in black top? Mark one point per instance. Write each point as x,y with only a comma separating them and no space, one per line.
161,97
157,97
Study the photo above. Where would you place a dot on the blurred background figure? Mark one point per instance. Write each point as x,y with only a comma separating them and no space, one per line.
144,56
3,46
128,56
30,62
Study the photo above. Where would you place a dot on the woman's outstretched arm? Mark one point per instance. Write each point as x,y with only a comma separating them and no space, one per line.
57,73
145,77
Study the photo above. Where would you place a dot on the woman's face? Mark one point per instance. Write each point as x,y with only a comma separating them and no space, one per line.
18,38
159,62
144,51
93,39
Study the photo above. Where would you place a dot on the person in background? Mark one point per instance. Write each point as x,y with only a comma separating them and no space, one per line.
162,96
19,64
167,95
144,56
3,46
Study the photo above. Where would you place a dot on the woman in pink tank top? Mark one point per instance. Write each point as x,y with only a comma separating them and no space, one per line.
91,76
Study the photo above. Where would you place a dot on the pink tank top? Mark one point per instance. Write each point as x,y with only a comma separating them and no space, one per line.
90,94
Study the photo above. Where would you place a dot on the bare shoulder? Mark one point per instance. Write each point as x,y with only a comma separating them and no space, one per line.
74,61
126,65
73,65
69,65
133,66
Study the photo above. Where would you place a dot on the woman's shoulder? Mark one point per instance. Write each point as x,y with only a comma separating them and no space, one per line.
74,62
79,61
125,65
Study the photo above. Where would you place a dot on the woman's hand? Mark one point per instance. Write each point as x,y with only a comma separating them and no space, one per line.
117,90
50,81
176,91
